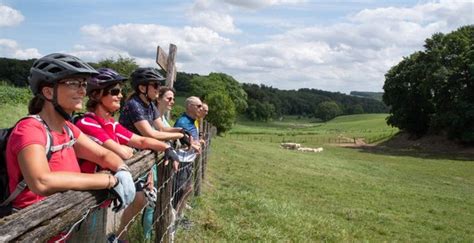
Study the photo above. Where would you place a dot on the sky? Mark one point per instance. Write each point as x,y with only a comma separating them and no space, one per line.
331,45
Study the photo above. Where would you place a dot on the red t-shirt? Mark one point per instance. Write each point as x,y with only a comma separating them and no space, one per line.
31,131
101,130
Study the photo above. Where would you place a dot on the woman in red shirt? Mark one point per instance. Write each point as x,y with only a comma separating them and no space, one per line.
58,82
105,93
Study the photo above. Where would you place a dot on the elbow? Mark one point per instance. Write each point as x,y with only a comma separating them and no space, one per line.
42,186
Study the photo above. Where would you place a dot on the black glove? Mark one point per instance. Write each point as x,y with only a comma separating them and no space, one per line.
170,155
186,139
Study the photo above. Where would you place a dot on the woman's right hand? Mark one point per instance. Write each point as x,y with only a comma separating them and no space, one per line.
128,151
124,190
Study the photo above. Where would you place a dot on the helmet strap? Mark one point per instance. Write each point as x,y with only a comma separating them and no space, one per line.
57,107
146,93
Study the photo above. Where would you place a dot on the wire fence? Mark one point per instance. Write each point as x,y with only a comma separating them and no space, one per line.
81,216
312,138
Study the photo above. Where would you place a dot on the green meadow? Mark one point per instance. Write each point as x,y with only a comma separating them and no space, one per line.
256,191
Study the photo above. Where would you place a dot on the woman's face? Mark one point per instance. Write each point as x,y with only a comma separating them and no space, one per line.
167,101
71,92
153,88
111,99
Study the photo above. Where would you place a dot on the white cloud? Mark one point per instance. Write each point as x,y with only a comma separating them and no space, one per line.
212,15
11,49
353,54
9,16
222,23
256,4
195,44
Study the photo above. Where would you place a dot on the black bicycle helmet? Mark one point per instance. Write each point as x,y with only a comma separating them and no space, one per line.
145,76
106,78
54,67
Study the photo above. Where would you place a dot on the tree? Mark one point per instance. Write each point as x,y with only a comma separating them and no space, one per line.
408,95
15,71
123,65
222,111
433,90
260,111
219,82
182,84
327,110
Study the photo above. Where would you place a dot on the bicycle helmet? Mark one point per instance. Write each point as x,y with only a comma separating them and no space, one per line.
106,77
144,76
54,67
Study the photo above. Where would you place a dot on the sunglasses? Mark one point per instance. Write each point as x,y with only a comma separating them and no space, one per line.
169,99
154,85
76,84
115,92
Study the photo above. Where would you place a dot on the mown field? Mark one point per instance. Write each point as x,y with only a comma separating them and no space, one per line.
256,191
344,129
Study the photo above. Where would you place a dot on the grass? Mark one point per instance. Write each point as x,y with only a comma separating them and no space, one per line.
343,129
10,113
256,191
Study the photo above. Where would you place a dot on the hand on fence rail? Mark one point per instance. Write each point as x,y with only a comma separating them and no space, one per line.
170,154
59,211
124,189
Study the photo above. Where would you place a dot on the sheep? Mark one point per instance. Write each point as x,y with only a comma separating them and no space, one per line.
292,146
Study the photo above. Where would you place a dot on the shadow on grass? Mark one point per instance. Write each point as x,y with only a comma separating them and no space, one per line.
428,147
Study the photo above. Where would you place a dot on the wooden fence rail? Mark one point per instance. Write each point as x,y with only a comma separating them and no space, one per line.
59,212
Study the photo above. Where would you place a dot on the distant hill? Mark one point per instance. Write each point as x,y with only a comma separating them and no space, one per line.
367,94
302,102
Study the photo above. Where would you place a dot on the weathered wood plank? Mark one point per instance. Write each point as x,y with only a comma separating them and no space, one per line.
161,58
45,219
171,68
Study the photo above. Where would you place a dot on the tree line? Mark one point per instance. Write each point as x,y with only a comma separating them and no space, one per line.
228,98
432,91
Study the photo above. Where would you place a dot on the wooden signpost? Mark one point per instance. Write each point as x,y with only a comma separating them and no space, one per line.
163,207
167,63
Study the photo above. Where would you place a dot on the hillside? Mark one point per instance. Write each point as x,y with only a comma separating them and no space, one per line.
261,99
367,94
257,191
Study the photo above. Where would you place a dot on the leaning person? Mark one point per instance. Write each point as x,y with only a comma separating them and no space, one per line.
58,82
105,93
140,116
183,184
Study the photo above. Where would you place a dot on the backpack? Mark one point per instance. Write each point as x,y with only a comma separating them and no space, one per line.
5,196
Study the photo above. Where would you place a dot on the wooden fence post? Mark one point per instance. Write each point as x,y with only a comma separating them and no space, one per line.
206,147
197,174
163,204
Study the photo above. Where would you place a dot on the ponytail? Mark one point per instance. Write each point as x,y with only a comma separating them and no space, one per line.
36,105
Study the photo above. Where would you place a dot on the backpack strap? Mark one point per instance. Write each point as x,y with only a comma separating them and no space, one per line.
72,141
49,152
18,189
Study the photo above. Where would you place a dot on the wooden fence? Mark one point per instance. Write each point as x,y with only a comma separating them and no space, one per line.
63,212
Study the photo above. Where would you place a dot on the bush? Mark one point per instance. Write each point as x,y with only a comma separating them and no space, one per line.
14,95
222,112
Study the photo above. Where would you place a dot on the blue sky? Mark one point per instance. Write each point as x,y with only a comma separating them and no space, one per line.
288,44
